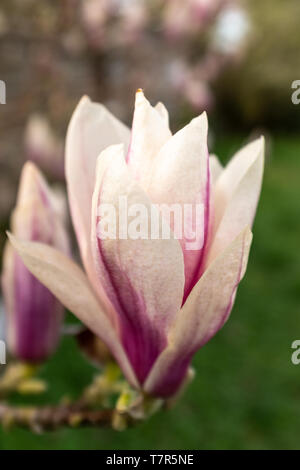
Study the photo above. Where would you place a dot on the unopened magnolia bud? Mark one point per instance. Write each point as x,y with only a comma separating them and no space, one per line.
43,147
34,315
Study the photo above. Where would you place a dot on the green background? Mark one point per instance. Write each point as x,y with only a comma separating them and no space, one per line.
246,394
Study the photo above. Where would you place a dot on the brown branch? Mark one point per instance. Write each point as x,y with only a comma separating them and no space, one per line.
53,417
85,411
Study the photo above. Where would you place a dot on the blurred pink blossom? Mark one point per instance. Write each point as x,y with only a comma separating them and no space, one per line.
43,147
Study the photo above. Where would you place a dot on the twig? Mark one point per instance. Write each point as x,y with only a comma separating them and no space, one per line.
52,417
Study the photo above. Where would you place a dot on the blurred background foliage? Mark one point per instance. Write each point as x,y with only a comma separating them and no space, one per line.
256,91
237,59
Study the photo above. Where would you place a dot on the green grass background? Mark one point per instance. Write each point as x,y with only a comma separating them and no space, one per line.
246,394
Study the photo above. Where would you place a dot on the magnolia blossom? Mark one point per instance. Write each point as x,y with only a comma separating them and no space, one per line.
231,30
152,301
33,314
182,18
98,18
43,147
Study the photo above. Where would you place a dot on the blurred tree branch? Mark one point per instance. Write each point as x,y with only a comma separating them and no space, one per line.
52,417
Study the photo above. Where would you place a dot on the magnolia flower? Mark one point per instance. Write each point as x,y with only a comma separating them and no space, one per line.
43,147
33,314
231,30
152,301
189,17
94,15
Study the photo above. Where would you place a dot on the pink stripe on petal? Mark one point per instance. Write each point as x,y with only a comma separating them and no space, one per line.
36,321
143,278
180,175
194,262
141,340
204,313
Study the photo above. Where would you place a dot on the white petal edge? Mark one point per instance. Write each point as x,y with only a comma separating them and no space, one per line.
232,175
150,131
236,196
216,168
92,128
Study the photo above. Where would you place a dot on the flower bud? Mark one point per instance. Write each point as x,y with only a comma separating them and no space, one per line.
43,147
34,315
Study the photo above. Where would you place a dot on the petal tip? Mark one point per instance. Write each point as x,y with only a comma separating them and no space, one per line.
140,97
30,171
85,99
12,239
200,121
83,104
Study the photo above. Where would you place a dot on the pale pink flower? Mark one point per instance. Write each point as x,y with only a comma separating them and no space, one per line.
43,147
153,302
189,17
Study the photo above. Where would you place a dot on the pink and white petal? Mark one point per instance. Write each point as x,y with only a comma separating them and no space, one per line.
7,285
34,324
33,186
92,128
150,131
162,110
70,285
239,187
180,175
234,172
143,277
34,221
36,216
216,169
204,313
